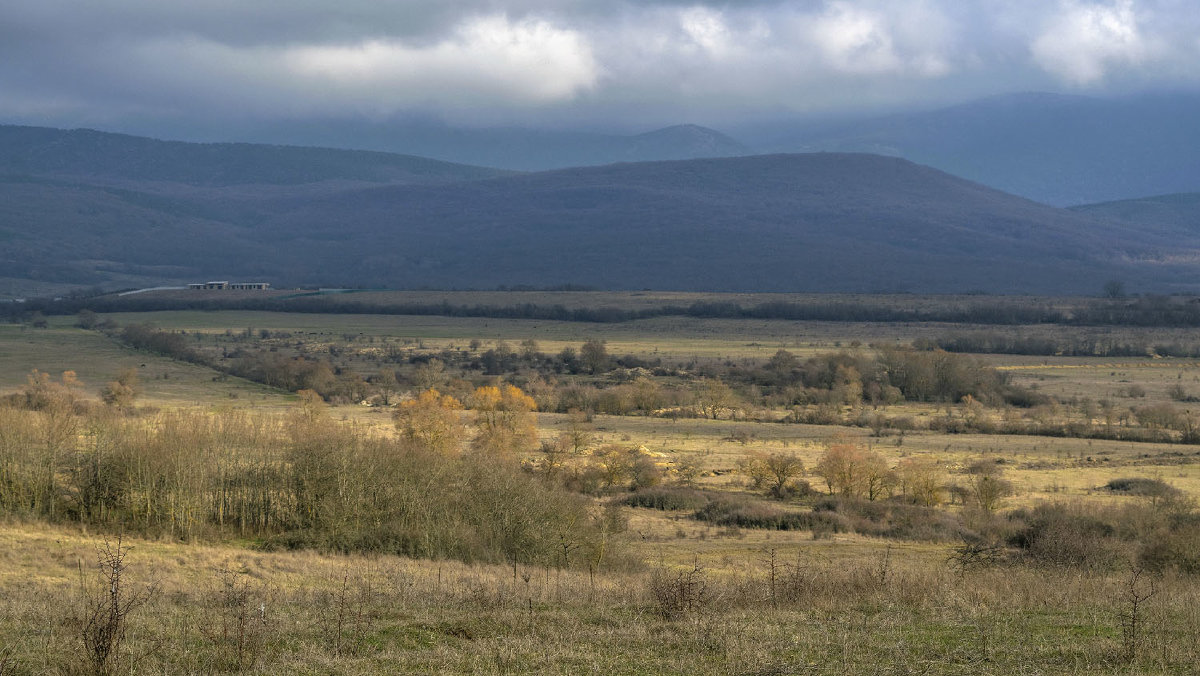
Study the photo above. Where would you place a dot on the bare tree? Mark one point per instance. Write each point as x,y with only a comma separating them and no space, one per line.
594,355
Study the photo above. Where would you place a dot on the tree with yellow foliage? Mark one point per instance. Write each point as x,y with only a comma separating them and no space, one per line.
505,421
432,421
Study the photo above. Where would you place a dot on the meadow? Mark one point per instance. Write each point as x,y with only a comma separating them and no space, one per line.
1068,571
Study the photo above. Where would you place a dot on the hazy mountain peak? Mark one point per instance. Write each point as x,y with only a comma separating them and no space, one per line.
687,141
1030,99
1055,148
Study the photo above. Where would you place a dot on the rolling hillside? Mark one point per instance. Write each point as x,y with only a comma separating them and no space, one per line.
783,222
1172,213
138,212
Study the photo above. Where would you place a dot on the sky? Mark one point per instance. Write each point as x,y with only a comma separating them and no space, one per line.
564,63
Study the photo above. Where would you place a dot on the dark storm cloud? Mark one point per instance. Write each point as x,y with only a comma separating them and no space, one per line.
69,61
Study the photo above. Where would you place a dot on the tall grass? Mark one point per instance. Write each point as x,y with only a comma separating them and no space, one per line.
790,611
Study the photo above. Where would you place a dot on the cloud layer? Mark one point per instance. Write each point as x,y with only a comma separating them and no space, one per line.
77,62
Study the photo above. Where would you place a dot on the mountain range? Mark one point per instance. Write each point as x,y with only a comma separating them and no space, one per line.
89,208
1057,149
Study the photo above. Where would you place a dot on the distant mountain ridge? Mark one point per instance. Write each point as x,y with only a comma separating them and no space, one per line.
1056,149
94,154
509,147
1052,148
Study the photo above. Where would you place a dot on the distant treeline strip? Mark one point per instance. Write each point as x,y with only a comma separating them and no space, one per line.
1146,311
985,342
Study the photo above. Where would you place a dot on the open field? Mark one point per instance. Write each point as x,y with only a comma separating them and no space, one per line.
97,360
864,603
1040,468
673,337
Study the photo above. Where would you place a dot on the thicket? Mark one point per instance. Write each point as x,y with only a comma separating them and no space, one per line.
984,342
1158,535
166,343
301,482
893,518
889,376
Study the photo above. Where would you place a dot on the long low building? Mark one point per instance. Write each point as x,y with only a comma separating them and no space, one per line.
241,286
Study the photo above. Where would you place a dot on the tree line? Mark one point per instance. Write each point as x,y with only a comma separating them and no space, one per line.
1145,311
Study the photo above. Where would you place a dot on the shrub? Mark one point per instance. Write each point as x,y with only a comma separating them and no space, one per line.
895,519
668,499
1067,535
1140,486
680,593
758,514
1174,548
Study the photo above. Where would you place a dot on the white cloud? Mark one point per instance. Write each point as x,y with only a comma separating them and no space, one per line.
706,28
1084,40
529,61
855,40
486,59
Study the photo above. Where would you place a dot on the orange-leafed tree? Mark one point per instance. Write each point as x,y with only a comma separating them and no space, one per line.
432,421
504,420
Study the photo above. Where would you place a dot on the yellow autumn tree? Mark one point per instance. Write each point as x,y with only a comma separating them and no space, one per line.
504,420
432,421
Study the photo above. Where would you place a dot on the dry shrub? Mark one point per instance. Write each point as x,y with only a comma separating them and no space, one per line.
973,555
1174,547
669,498
896,519
237,624
105,603
1068,535
681,593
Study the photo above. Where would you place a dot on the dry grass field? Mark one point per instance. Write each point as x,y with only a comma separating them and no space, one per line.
879,611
